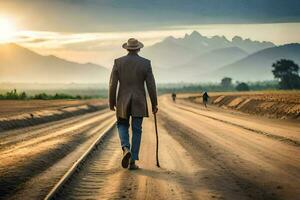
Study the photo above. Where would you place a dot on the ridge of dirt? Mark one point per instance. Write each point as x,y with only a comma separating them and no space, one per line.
281,105
44,115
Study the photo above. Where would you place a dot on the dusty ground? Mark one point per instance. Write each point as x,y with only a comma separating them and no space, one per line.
201,158
273,104
204,154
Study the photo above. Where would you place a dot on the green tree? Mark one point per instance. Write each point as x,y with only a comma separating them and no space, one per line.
226,82
13,94
23,95
42,96
286,71
242,87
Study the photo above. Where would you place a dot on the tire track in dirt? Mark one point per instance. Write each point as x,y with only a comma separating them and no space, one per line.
57,134
13,137
221,177
170,181
261,171
104,178
29,159
270,135
285,128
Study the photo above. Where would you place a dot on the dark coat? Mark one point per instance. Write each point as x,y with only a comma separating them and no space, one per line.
131,72
205,96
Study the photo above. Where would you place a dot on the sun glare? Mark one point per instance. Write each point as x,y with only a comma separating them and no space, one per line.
7,29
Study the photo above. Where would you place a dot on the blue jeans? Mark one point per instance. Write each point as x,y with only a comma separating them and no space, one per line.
123,128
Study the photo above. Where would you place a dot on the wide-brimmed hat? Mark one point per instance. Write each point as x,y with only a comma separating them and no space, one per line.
133,44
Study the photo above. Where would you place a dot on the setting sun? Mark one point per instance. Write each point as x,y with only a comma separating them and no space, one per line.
7,29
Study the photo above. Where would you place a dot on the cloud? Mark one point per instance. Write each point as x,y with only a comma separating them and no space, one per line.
102,47
140,15
38,40
90,41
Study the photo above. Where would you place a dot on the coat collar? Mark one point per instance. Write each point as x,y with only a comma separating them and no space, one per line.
132,54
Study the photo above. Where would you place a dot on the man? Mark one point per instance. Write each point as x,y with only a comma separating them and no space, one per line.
174,96
131,72
205,99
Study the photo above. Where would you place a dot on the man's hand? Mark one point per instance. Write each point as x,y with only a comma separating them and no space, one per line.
154,109
112,108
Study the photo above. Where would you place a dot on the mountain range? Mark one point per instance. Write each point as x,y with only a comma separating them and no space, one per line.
258,66
19,64
197,58
178,51
194,69
193,58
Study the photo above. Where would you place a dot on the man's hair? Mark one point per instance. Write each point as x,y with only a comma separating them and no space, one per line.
133,51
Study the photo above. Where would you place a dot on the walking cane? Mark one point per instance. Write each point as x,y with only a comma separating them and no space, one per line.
155,122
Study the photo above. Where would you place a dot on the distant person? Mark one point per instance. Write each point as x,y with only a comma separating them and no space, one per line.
174,96
205,98
131,72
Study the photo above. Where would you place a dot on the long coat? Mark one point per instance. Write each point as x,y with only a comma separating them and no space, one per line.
131,72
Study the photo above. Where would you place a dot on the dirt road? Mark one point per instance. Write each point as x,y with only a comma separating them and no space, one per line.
204,154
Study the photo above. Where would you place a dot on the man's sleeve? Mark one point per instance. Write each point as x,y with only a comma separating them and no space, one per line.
151,87
113,83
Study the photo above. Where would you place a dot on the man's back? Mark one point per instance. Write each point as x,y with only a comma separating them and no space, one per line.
131,72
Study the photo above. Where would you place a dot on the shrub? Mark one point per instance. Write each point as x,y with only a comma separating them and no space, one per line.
242,87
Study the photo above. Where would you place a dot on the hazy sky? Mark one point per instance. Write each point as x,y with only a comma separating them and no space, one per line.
93,30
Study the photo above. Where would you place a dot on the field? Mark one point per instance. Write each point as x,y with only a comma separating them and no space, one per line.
219,152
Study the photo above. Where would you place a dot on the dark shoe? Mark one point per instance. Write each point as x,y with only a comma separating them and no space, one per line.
126,157
133,166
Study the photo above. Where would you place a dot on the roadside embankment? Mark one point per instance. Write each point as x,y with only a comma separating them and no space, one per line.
37,114
281,104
